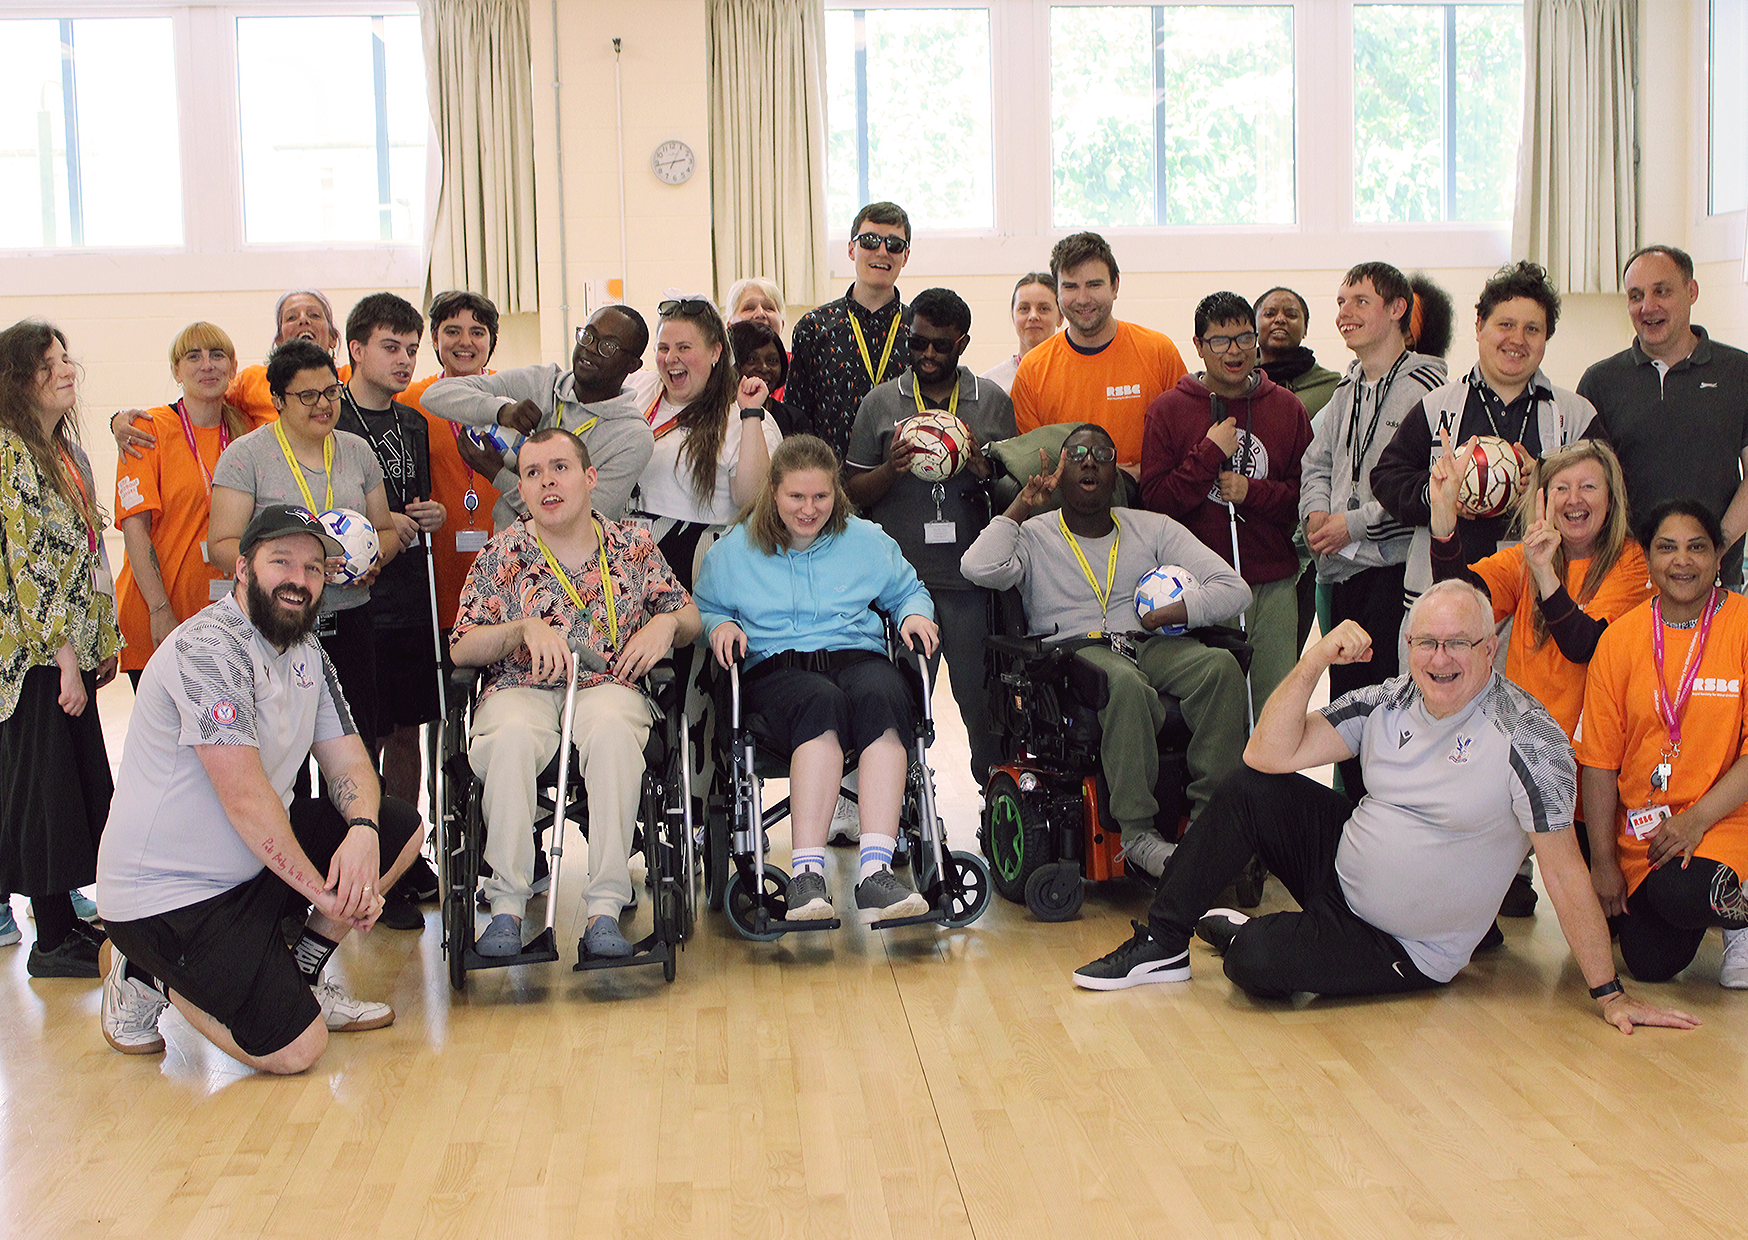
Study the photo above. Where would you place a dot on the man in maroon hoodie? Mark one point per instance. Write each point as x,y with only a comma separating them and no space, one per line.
1225,445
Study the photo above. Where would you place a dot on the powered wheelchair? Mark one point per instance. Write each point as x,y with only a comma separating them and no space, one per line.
738,879
664,835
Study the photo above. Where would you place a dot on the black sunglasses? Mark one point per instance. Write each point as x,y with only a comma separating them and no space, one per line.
873,241
929,344
683,305
1101,453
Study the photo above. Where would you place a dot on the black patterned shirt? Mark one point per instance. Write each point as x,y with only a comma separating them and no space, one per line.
827,378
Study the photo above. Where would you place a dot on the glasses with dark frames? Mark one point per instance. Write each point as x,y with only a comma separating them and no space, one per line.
929,344
1223,344
873,241
683,305
1101,453
604,347
311,397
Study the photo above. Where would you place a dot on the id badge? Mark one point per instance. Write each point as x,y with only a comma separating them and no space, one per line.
940,532
328,624
1122,644
1641,822
468,542
101,581
646,524
217,588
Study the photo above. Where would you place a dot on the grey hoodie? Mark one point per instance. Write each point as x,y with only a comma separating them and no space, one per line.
614,431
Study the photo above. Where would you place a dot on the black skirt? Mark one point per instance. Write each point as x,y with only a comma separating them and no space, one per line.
55,787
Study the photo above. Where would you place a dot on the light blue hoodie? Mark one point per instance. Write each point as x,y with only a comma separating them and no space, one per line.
815,599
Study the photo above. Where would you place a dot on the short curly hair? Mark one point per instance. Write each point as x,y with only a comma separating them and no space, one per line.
1520,279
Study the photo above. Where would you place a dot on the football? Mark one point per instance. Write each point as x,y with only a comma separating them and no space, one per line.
1159,586
943,444
1491,474
357,535
495,438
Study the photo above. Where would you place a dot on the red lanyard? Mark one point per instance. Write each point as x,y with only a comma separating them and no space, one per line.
665,427
188,434
79,481
1671,712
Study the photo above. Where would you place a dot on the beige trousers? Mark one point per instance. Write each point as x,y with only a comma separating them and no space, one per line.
515,734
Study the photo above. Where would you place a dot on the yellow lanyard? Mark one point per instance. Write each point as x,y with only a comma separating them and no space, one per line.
1103,596
952,401
297,467
862,343
606,580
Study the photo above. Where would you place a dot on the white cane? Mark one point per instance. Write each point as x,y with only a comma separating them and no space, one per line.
433,786
1238,567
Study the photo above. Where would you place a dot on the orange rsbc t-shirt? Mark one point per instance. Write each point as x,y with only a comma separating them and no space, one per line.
167,483
1623,731
1554,680
451,479
1113,387
249,392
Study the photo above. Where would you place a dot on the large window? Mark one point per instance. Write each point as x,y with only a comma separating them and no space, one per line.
1171,114
1729,106
88,134
1437,111
909,115
340,154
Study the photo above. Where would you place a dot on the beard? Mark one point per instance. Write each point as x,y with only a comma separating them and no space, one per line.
280,627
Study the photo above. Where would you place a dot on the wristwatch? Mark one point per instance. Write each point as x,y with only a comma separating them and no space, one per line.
749,412
364,822
1611,987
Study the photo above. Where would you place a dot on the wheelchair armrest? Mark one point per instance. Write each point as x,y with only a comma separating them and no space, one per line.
1016,647
1225,637
463,679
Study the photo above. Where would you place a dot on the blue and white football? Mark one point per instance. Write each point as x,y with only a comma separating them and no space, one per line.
1160,586
357,535
495,438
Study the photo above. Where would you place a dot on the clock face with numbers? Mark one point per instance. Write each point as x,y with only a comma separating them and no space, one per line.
674,162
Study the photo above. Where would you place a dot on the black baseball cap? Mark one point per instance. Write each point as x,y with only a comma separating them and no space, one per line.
278,520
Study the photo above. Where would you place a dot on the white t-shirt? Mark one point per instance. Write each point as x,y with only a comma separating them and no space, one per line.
1002,373
214,681
1449,808
666,483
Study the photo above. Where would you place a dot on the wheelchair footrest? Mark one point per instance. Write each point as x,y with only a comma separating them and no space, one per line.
792,927
933,918
541,949
647,950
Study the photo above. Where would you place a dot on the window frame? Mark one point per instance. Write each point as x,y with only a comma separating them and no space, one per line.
1713,238
1325,236
214,256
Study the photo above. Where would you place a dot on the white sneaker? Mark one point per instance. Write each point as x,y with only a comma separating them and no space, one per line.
1733,975
344,1014
130,1008
1148,852
846,825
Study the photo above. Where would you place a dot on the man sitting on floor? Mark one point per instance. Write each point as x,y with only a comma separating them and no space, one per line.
1077,570
201,861
1465,772
563,576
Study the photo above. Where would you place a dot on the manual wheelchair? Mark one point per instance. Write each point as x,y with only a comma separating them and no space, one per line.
1046,826
752,892
665,833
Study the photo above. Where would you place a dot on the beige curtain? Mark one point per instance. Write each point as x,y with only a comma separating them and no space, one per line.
478,73
767,143
1577,173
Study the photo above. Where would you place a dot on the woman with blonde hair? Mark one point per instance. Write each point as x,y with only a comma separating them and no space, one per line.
164,499
789,589
58,644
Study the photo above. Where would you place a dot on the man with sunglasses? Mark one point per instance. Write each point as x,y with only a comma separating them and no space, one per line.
591,400
1467,773
1221,454
1076,570
1101,369
844,349
935,522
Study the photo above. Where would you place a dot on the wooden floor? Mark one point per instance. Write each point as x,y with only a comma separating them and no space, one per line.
908,1084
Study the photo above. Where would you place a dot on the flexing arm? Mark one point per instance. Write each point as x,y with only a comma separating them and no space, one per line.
1288,735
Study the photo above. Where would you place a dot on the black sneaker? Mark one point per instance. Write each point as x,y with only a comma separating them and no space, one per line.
75,956
1520,898
421,879
401,910
1219,926
1495,937
1141,960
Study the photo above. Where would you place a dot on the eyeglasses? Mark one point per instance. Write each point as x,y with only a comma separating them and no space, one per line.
683,305
1456,647
311,397
1223,344
930,344
873,241
1101,453
604,347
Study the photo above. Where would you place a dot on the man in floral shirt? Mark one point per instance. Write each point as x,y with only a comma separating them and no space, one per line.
560,576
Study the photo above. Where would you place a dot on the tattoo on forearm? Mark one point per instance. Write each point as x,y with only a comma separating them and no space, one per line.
343,792
291,872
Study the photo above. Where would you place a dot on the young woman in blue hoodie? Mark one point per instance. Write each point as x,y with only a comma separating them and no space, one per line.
789,589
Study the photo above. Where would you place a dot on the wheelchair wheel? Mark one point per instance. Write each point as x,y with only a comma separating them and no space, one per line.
1016,837
1054,892
741,903
462,873
715,855
968,888
668,920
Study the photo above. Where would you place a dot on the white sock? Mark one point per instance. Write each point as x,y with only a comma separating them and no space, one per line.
876,854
